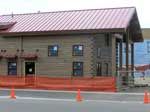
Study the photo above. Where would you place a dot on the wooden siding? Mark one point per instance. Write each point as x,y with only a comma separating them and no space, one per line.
61,65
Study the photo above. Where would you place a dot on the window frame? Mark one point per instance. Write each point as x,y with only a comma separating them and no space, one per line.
73,73
73,54
49,54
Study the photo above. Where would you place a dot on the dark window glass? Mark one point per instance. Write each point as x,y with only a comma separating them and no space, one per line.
77,68
12,68
99,69
53,50
78,50
29,68
106,69
107,39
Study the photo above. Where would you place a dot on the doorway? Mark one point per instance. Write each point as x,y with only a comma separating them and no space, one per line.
29,68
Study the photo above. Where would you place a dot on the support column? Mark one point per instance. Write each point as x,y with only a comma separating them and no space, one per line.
132,59
127,58
120,77
120,55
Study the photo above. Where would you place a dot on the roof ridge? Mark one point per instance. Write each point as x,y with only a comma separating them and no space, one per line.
69,11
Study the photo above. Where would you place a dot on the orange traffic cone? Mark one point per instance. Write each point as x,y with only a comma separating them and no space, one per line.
79,98
146,97
12,94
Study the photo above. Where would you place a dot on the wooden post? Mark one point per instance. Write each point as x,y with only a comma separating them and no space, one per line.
127,58
120,54
132,59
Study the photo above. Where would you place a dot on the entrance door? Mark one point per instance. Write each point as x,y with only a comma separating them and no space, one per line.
29,68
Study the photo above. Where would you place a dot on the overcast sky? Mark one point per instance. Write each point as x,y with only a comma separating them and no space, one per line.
29,6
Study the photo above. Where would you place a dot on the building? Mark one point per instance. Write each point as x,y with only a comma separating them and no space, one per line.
79,43
142,50
142,59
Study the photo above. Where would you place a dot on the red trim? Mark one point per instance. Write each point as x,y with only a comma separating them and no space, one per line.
10,56
29,56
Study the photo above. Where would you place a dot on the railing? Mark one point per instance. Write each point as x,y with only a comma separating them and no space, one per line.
127,79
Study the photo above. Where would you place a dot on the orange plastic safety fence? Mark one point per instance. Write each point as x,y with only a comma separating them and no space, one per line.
12,81
89,84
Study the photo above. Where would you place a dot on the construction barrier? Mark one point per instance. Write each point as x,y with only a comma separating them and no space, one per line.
38,82
12,81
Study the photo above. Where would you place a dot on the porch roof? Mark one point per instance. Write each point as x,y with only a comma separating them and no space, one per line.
29,56
10,56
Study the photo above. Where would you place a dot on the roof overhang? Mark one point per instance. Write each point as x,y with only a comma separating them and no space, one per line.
134,29
64,32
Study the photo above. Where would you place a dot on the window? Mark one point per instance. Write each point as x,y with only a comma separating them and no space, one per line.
99,52
78,50
148,46
106,69
77,68
107,39
12,68
99,69
53,50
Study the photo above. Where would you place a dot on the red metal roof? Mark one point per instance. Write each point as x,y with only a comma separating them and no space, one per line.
142,67
109,18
